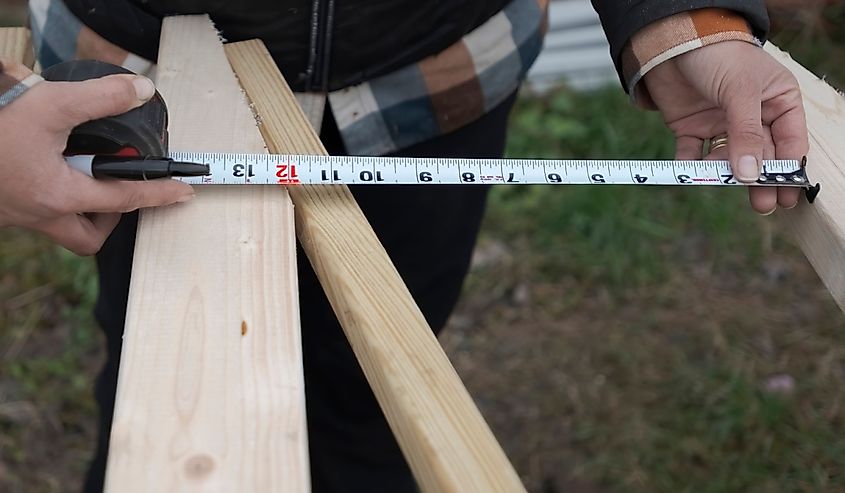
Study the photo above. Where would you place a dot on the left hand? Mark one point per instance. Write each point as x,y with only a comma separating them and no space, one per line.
39,191
736,88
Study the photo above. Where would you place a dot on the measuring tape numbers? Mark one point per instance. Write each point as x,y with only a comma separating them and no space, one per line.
278,169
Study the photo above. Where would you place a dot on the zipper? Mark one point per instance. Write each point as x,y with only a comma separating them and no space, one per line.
316,75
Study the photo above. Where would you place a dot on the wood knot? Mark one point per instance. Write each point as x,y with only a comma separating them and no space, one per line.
243,328
199,466
247,242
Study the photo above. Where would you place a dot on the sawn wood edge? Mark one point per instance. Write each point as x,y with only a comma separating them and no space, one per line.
440,430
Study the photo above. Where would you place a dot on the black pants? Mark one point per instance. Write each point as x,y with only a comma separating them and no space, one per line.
429,233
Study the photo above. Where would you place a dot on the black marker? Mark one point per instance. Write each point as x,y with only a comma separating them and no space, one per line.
134,168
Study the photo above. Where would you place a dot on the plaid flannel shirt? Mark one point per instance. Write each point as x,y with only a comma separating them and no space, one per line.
676,35
439,93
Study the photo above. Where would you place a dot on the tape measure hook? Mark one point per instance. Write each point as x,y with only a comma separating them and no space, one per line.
812,191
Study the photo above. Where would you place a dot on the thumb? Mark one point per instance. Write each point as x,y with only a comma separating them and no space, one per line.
79,102
742,102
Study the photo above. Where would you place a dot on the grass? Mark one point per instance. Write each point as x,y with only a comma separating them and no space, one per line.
816,37
49,353
670,314
616,234
651,340
616,338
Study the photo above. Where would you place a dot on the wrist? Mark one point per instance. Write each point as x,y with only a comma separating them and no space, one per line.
670,37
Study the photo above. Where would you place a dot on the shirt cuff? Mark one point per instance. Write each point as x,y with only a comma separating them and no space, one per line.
15,79
675,35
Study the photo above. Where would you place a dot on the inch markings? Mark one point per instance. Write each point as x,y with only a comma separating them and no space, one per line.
270,169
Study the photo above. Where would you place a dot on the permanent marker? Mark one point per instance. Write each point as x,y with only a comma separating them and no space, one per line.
135,168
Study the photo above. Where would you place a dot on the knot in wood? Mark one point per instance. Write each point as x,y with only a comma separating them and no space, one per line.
199,466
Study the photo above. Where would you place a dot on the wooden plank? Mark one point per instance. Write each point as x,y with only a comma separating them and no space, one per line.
210,394
819,227
313,105
15,43
448,444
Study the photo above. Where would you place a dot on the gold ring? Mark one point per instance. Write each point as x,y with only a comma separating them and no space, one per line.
718,142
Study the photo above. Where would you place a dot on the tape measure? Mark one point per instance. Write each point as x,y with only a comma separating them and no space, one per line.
278,169
142,133
139,132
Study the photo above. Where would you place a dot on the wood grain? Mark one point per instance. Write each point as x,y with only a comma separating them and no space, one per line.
313,105
210,393
448,444
15,43
819,227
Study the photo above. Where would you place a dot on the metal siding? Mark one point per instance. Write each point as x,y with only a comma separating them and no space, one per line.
575,51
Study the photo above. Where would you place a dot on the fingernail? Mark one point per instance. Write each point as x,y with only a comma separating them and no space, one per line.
186,198
749,169
770,212
144,87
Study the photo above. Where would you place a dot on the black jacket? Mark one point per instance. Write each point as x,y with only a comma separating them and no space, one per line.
331,44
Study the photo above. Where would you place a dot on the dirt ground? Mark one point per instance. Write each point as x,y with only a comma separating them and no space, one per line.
727,375
551,363
565,372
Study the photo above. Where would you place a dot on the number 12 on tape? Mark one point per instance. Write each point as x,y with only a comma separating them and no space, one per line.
232,169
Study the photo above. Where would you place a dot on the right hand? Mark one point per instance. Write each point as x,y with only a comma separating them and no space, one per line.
39,191
736,88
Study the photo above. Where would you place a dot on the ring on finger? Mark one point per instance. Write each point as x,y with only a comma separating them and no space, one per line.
718,141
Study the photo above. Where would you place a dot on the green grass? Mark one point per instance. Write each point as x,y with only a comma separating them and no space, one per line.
817,41
628,384
657,318
695,417
616,234
682,301
49,352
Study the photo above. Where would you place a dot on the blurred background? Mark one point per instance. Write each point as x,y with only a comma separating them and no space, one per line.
616,339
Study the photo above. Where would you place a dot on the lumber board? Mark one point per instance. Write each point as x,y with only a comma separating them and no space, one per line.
444,437
819,228
313,106
210,392
16,44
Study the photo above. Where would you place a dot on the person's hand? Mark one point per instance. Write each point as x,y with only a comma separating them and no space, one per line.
39,191
736,88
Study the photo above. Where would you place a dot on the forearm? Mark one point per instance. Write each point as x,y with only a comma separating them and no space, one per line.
673,36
